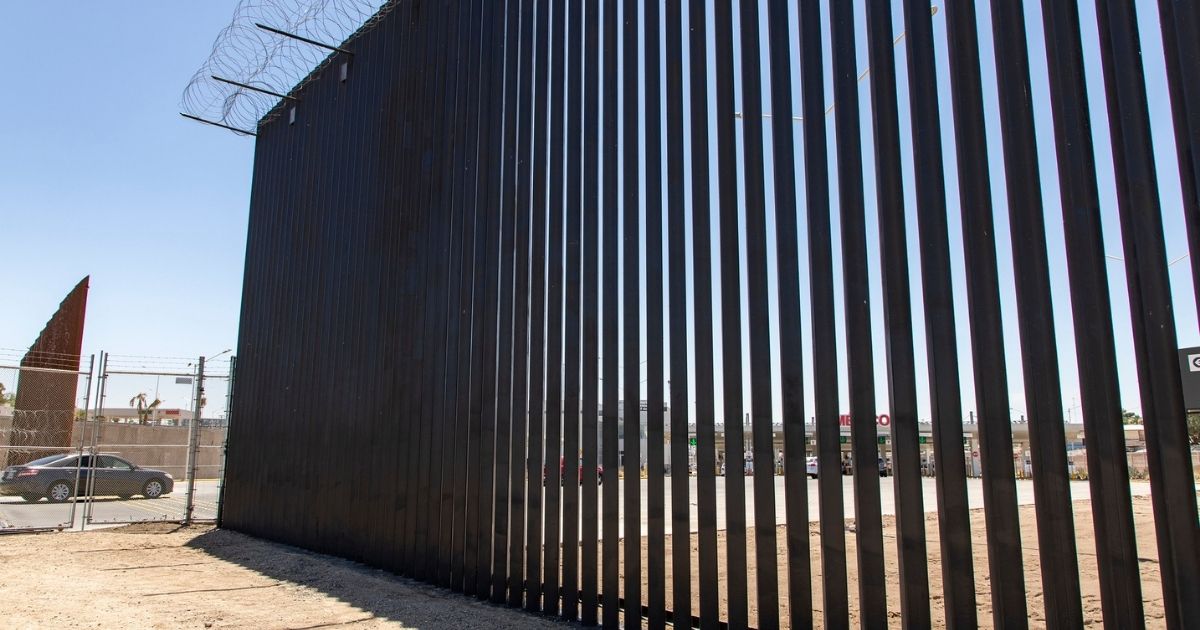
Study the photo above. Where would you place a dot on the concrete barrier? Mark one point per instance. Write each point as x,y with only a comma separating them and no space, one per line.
1139,468
149,446
160,447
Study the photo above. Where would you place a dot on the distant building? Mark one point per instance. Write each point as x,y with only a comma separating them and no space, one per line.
160,416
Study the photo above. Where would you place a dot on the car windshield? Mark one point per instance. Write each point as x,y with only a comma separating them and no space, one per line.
42,461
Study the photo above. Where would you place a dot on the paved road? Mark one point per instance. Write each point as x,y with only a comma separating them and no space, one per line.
1080,490
16,513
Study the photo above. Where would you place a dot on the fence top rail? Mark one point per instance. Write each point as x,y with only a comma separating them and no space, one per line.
51,370
163,373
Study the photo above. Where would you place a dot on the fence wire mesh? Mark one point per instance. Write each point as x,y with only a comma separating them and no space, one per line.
134,448
143,439
42,411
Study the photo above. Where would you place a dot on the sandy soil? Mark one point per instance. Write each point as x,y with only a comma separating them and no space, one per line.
1089,582
163,576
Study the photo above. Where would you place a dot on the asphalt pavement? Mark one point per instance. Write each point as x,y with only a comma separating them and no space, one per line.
16,513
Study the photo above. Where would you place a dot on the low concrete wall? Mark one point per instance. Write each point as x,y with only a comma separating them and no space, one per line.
160,447
1139,468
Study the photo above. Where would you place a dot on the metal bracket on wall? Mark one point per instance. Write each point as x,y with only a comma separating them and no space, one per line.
217,124
256,89
303,39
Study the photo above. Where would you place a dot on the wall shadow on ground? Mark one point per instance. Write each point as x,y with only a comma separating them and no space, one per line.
376,593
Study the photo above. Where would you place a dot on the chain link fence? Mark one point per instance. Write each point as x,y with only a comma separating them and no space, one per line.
41,409
146,442
156,449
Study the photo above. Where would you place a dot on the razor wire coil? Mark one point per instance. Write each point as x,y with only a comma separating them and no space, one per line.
245,53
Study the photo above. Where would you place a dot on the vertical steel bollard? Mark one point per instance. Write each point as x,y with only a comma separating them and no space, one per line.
194,443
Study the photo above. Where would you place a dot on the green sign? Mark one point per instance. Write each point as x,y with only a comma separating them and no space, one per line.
843,439
883,439
692,441
923,439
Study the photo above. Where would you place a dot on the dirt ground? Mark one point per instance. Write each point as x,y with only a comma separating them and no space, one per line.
163,576
1086,550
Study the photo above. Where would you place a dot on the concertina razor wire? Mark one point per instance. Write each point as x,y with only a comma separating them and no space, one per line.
245,53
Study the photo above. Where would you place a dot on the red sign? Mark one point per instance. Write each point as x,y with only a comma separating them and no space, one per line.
882,420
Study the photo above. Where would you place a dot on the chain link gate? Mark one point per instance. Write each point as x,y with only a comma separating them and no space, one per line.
151,454
208,441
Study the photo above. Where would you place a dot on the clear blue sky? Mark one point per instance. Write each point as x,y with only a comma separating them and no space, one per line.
99,175
1184,301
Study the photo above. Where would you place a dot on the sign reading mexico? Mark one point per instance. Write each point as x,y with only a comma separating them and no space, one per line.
882,420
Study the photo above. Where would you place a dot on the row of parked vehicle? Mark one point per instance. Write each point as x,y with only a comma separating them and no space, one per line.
54,478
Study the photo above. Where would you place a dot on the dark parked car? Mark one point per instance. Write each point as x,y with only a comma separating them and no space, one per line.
54,477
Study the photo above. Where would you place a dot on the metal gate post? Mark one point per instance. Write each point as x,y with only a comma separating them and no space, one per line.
87,402
194,443
225,442
101,395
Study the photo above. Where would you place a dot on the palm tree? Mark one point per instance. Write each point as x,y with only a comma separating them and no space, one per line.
144,410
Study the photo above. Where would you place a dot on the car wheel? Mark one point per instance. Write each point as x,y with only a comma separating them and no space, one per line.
153,489
31,498
59,491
